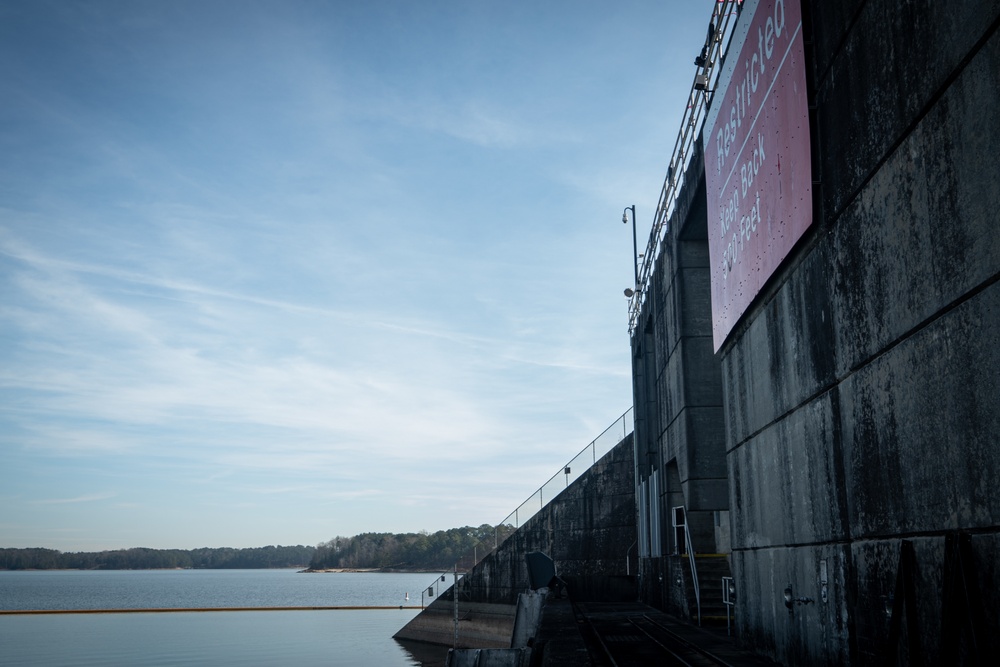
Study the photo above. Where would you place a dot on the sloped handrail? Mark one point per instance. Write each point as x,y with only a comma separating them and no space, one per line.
694,567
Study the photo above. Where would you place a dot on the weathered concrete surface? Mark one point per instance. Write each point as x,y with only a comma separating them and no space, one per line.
680,421
529,612
480,624
688,378
559,642
876,75
920,427
814,633
860,391
775,481
588,530
489,657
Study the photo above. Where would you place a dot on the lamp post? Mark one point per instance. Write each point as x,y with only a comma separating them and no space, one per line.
635,245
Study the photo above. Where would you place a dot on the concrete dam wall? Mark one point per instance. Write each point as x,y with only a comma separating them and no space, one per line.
588,530
842,441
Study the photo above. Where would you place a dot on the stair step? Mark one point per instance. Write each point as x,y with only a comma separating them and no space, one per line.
711,570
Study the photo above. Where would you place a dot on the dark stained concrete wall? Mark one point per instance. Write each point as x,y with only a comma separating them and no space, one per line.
861,391
689,422
681,424
589,530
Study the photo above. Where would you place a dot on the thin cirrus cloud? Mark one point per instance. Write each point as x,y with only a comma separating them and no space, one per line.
90,498
472,121
156,379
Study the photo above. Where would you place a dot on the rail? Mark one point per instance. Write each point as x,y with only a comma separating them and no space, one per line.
694,568
702,89
569,473
648,641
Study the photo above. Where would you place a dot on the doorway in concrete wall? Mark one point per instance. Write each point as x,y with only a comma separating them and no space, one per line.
675,501
677,521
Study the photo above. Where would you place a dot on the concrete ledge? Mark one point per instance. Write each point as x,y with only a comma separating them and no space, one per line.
480,625
559,640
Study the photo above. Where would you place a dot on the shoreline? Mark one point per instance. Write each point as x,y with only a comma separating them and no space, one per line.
336,570
306,570
382,570
166,610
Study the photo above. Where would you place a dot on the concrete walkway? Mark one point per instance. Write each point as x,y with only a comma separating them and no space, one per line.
565,639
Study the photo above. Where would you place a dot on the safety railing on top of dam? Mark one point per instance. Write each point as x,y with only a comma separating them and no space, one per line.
569,473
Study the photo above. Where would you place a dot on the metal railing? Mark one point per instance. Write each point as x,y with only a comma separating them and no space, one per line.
702,89
547,492
694,567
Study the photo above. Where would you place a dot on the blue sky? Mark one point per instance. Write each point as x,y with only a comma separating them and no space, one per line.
272,272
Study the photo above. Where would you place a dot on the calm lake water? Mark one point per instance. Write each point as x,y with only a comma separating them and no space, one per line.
334,637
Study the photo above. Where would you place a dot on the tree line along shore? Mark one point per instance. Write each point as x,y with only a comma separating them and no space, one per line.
421,551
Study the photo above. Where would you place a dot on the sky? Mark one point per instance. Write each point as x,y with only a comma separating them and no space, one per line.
272,272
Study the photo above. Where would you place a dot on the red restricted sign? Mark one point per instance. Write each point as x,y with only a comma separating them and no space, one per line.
758,170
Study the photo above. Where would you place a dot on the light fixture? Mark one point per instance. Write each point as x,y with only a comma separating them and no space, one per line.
635,246
629,292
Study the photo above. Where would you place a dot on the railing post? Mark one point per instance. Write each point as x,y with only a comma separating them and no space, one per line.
694,566
454,596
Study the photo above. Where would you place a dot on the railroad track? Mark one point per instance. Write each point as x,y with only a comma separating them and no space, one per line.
636,639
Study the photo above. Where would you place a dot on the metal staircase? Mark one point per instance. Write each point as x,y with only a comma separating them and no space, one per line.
710,569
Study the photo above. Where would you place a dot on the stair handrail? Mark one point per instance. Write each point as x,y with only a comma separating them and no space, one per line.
694,566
